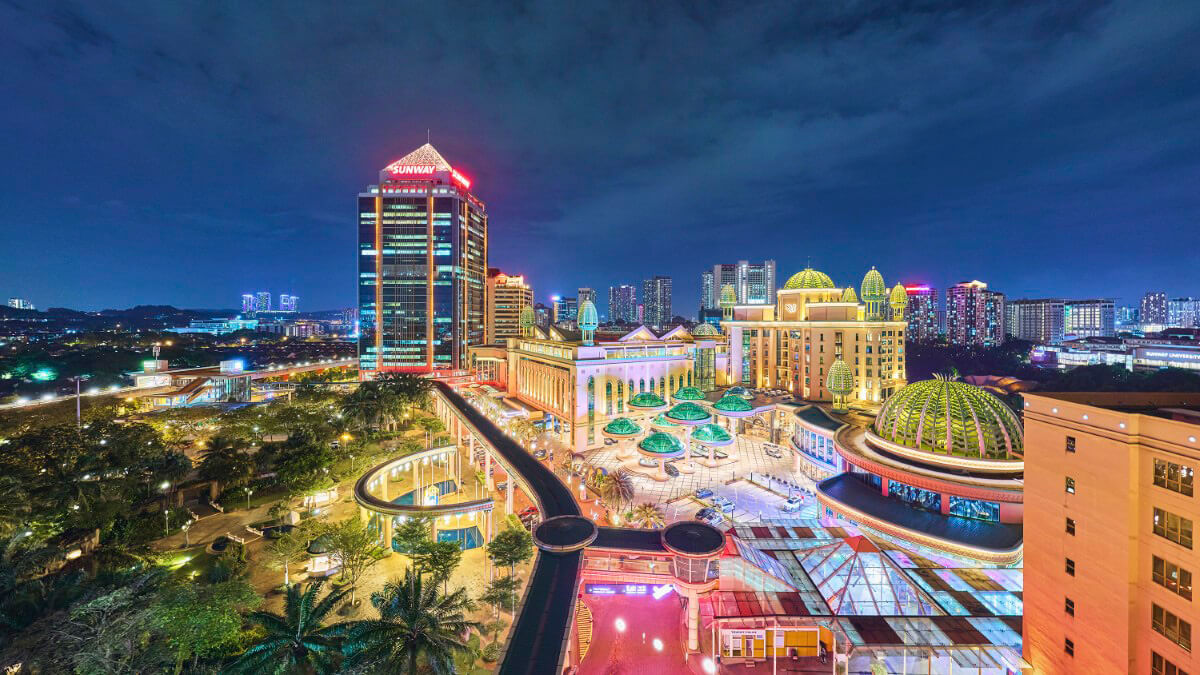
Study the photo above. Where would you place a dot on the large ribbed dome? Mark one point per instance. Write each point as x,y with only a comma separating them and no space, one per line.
809,278
947,417
705,329
899,297
728,295
873,289
527,317
589,318
841,378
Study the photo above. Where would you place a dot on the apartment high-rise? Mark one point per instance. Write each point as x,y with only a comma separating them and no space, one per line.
1089,318
422,239
1154,308
20,303
249,304
924,318
622,303
506,296
1040,321
974,315
1183,313
754,283
656,296
288,303
262,301
564,309
1110,514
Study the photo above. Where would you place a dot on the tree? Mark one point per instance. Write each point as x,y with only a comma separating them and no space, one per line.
305,467
648,515
439,559
501,594
202,620
14,505
617,488
289,549
416,624
227,463
295,640
412,534
510,547
108,633
353,545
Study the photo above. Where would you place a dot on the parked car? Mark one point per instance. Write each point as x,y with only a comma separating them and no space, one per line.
773,451
709,516
528,511
503,485
703,493
792,504
609,441
539,454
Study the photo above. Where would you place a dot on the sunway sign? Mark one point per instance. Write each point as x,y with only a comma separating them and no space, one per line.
398,169
459,178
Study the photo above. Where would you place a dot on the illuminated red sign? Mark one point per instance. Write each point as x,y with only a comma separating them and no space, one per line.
398,169
459,178
917,289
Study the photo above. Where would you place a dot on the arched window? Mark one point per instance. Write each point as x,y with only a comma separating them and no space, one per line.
620,396
689,378
662,387
641,385
652,385
671,383
591,410
632,391
608,402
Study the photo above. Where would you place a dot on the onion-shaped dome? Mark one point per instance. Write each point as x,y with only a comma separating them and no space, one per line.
622,426
841,378
737,391
899,297
688,394
661,444
687,412
647,399
849,295
712,434
733,404
588,319
728,296
873,289
948,417
528,318
809,278
705,329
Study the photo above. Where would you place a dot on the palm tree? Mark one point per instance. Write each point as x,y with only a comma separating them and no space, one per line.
363,407
295,641
648,515
618,488
416,623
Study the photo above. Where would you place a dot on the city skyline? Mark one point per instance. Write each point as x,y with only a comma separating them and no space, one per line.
268,180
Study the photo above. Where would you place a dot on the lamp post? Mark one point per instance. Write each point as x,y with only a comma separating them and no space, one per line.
166,522
248,493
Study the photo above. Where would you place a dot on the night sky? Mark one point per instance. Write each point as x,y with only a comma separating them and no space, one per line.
184,153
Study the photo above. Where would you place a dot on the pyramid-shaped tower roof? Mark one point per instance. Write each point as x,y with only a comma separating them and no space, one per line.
426,155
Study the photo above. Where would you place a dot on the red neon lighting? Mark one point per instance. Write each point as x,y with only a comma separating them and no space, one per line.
398,169
461,179
910,289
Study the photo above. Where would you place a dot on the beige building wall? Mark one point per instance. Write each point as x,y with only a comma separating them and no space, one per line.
506,297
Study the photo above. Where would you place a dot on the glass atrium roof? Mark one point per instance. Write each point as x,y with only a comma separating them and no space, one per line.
856,578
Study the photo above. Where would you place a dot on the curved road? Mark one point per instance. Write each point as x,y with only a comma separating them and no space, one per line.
538,638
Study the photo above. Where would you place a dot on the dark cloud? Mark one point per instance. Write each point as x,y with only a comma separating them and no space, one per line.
185,153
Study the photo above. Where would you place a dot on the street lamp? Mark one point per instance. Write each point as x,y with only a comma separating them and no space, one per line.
248,493
166,522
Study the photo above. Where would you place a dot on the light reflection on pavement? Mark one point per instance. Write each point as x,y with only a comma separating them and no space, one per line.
623,653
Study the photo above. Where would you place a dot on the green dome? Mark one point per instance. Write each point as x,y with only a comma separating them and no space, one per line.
705,329
688,412
899,297
663,421
588,319
809,278
737,391
688,394
728,296
660,443
841,378
849,295
527,318
873,289
622,426
647,399
711,433
947,417
733,404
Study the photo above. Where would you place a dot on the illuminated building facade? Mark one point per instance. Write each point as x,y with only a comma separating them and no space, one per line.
507,296
1040,321
924,315
422,240
1153,311
1089,318
288,303
1110,552
1183,313
586,295
622,304
565,309
974,315
656,298
754,283
249,303
262,301
794,343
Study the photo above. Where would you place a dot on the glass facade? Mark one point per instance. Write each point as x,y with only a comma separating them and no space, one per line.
974,508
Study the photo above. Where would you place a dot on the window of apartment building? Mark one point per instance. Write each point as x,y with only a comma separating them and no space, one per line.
1174,477
1171,627
1071,526
1070,485
1172,577
1175,528
1069,606
1070,444
1069,646
1161,666
1070,567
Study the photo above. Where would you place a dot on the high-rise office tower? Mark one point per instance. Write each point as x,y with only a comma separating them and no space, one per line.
422,239
1040,321
622,303
1089,318
262,301
506,296
542,315
924,324
586,294
249,304
1183,313
288,303
1154,308
565,309
753,283
656,296
974,315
